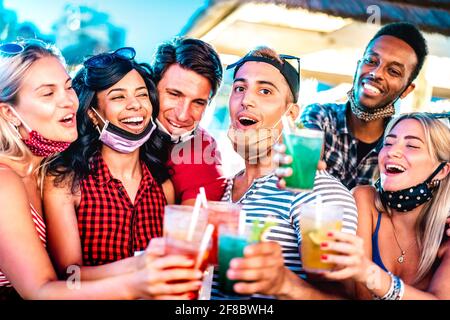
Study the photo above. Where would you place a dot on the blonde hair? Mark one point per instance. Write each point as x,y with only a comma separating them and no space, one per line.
13,69
430,224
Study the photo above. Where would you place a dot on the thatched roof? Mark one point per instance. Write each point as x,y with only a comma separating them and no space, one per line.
429,15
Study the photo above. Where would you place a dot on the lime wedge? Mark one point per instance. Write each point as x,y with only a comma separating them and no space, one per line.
257,231
315,237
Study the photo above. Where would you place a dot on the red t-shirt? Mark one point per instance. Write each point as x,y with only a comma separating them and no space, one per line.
196,163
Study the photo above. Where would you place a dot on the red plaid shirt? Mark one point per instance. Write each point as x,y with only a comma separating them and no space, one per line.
111,227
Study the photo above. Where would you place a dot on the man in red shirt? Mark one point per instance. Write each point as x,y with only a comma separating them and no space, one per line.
188,73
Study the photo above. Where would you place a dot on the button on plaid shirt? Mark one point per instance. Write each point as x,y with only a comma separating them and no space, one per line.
340,146
111,227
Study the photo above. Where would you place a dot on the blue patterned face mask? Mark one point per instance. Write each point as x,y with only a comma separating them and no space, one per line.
407,199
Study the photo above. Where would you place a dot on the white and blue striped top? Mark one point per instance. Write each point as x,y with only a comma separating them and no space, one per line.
265,201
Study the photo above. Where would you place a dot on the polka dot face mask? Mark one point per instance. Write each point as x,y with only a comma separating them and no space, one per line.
407,199
38,145
43,147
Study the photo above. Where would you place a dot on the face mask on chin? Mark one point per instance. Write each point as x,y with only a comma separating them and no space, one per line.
407,199
121,140
37,144
254,145
370,114
177,138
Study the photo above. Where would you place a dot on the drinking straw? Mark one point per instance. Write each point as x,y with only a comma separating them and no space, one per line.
203,197
241,227
319,210
194,218
204,244
205,291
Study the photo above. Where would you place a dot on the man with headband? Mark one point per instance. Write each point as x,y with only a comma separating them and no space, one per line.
265,87
354,130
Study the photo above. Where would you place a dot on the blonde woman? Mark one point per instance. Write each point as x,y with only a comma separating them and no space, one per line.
402,249
37,120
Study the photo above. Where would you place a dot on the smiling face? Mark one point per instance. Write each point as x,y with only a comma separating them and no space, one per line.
405,159
384,71
126,104
259,97
46,101
183,97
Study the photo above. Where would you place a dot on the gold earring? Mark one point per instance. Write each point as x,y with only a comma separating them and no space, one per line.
434,184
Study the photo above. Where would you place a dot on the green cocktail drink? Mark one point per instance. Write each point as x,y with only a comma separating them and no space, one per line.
305,147
232,242
230,246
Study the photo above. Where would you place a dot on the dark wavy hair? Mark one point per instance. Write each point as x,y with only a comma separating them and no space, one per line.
74,162
191,54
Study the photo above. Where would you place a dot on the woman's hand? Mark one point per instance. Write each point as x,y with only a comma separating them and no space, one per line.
165,277
347,252
280,158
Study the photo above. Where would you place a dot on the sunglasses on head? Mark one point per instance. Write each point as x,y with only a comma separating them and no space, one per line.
16,47
286,56
104,60
444,115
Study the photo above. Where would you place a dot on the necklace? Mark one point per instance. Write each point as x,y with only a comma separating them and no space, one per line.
401,258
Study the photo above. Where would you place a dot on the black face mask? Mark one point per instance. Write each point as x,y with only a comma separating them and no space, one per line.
407,199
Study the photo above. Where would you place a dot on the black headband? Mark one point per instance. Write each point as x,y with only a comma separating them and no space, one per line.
291,75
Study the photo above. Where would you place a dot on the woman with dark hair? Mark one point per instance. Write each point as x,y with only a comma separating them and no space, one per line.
105,195
37,120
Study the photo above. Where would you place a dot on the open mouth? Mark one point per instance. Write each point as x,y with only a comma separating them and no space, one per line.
371,89
246,121
69,119
394,169
133,122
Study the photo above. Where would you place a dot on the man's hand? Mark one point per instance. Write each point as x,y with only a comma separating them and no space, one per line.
262,265
280,158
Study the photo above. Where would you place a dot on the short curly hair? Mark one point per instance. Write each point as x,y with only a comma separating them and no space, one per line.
410,34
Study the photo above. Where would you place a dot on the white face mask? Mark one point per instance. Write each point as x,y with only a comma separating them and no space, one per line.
121,140
176,138
255,144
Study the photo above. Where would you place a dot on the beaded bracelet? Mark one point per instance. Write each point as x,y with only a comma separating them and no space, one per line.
396,289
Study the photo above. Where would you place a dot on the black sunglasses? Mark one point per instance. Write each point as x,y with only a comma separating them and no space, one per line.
104,60
444,115
286,56
13,48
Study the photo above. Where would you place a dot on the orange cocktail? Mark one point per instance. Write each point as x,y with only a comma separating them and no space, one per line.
314,227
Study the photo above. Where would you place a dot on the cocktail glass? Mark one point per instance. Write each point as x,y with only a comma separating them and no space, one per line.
316,221
305,147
